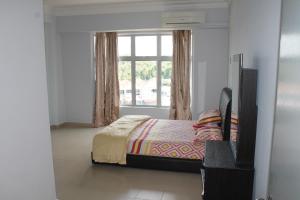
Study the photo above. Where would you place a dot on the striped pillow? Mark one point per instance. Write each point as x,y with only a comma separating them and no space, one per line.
234,119
207,133
234,127
233,135
208,128
207,118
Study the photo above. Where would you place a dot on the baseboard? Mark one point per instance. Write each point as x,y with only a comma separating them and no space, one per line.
72,125
55,126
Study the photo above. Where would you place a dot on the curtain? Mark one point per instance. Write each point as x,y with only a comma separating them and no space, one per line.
112,95
180,83
106,109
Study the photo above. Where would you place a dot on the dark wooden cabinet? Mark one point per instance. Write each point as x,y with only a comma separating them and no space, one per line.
245,145
223,180
228,167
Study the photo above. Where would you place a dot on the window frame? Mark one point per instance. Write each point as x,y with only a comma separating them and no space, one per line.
158,59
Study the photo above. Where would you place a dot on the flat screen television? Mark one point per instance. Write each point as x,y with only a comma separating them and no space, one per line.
236,64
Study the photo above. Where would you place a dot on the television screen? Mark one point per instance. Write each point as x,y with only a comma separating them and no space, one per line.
236,63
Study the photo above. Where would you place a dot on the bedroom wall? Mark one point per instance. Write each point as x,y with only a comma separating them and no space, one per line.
25,144
131,21
254,31
210,60
211,67
56,96
78,76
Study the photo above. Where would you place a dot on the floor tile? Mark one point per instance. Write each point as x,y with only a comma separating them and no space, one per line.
150,195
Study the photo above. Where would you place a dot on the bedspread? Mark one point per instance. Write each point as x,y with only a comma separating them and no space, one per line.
110,145
166,138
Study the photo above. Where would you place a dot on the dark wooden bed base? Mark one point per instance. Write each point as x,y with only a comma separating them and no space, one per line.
179,164
159,163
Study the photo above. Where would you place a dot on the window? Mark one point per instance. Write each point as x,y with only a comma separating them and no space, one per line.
145,68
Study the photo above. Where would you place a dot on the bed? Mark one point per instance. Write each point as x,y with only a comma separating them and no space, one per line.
168,144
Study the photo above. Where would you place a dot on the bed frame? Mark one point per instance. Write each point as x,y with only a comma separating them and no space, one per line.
179,164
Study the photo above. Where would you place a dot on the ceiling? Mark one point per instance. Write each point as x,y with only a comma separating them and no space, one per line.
58,3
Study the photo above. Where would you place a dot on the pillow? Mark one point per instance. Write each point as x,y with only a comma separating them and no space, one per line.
234,127
233,135
234,119
208,128
212,124
208,118
207,133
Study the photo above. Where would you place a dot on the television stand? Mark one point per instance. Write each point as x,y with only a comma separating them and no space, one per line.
223,180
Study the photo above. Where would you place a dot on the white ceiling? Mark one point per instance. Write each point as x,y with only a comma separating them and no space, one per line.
58,3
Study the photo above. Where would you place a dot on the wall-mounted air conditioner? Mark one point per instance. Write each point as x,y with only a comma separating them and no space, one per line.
182,19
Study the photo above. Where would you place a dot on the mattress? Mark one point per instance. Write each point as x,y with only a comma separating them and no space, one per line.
166,138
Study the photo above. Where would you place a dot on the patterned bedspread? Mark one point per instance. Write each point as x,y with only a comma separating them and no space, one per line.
166,138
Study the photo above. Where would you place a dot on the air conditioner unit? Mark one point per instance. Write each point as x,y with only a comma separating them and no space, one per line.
183,19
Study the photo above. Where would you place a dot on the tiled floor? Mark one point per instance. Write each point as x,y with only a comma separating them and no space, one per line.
77,179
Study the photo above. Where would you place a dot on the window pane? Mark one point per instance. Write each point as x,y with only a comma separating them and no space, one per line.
125,82
124,46
146,45
166,73
146,85
166,45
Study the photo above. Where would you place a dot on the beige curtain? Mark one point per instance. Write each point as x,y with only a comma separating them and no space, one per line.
180,84
107,84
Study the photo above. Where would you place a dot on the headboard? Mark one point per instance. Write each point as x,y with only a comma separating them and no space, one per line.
225,109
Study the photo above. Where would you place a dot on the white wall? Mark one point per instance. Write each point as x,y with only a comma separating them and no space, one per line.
50,67
25,144
78,76
54,73
210,46
211,67
129,21
254,31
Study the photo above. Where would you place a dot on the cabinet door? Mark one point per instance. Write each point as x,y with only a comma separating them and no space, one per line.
228,184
